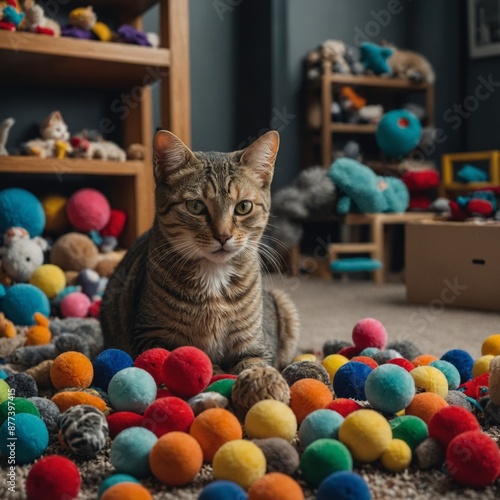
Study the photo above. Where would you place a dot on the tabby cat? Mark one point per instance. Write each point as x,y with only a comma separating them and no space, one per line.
195,277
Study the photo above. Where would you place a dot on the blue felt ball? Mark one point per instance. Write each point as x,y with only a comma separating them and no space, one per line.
20,302
130,451
449,371
24,438
320,424
462,361
19,207
343,485
350,379
107,364
398,132
389,388
132,389
115,479
223,490
369,351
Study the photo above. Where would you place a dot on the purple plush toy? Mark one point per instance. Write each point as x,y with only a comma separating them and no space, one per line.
128,34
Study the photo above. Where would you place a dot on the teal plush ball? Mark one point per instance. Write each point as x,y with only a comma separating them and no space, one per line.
369,351
31,438
130,451
398,132
115,479
132,389
320,424
410,429
20,302
223,386
322,458
343,485
389,388
349,381
449,371
19,207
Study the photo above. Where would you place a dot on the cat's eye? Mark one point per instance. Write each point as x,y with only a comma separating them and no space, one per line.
196,207
243,207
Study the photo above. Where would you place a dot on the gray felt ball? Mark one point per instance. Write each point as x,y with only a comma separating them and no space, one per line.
305,369
24,385
280,455
71,342
334,346
429,453
458,398
49,412
386,355
206,400
406,348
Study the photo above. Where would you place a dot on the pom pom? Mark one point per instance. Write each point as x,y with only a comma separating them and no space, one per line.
270,418
412,430
50,279
424,405
280,455
350,379
20,208
122,420
88,210
332,363
107,364
449,422
115,479
132,389
71,369
343,485
397,456
75,305
308,395
343,406
152,361
305,369
223,490
369,332
463,362
167,415
275,486
491,345
318,425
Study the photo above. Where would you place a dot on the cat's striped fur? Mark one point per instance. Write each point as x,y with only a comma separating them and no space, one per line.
195,278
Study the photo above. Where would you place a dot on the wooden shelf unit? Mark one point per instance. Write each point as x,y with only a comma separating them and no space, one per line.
61,62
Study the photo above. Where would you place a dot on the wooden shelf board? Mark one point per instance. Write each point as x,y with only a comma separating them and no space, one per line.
372,81
67,61
354,128
469,186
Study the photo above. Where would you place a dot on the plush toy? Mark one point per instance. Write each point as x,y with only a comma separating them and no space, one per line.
38,334
330,51
421,184
409,65
90,146
477,204
74,252
10,15
136,151
470,173
128,34
19,207
88,210
352,100
5,127
398,132
35,20
374,57
83,24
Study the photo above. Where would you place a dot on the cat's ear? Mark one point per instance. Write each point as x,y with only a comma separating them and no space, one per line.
169,154
261,155
55,116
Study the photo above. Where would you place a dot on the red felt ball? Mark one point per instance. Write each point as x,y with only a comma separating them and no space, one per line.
366,360
122,420
116,223
167,415
163,393
343,406
75,305
350,351
53,477
369,332
222,376
449,422
187,371
88,210
403,363
477,206
152,361
473,459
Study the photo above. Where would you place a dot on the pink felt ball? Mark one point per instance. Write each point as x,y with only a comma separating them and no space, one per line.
187,371
75,305
369,332
152,361
88,210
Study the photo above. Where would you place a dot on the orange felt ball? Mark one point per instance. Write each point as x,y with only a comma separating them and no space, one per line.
38,335
126,491
214,427
424,360
176,458
65,400
275,486
71,369
425,405
308,395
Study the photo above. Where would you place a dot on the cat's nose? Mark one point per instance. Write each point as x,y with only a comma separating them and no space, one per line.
222,238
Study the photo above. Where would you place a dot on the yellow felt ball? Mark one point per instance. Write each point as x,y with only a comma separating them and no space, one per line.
430,379
306,357
270,418
332,363
50,279
491,345
240,461
366,433
56,220
397,456
482,365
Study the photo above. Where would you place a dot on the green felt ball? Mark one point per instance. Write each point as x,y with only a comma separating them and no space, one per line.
410,429
4,390
223,387
322,458
17,405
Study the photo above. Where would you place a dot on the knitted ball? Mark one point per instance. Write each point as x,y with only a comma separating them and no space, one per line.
20,208
334,346
308,395
152,361
115,479
332,363
53,478
75,305
256,384
430,379
429,453
449,371
491,345
366,360
424,405
473,459
397,456
74,252
206,400
369,332
22,385
49,412
71,369
366,433
83,429
187,371
463,362
320,424
270,418
482,365
167,415
176,458
407,348
67,399
214,427
107,364
280,455
17,405
350,351
369,351
449,422
493,382
389,388
350,379
50,279
130,451
132,389
223,490
31,438
240,461
424,360
56,220
20,302
275,486
343,406
88,210
344,485
385,355
323,457
402,362
127,491
305,369
306,357
398,132
224,387
412,430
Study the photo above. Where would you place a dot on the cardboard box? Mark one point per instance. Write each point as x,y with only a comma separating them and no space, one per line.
453,264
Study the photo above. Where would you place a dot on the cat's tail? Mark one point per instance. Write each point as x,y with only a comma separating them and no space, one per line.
5,127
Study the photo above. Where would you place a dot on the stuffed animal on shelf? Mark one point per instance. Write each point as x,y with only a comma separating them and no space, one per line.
330,51
5,127
409,65
35,20
128,34
91,146
83,24
374,58
481,204
10,15
421,184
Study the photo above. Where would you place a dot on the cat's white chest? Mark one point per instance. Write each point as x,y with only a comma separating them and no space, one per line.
213,278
